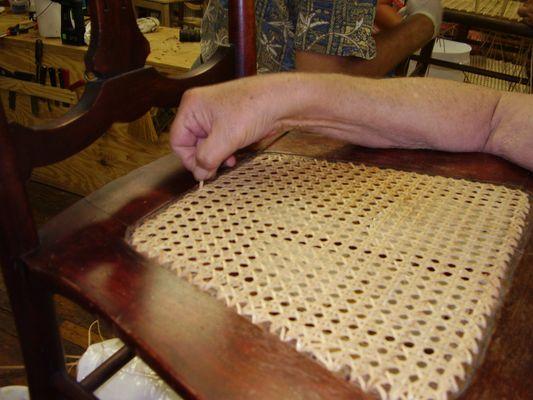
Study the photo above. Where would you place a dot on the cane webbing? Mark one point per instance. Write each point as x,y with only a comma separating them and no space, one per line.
498,66
388,278
503,9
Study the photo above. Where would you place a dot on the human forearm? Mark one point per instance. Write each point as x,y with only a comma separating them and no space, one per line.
215,121
392,46
511,135
410,112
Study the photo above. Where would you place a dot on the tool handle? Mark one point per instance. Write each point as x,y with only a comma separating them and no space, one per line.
53,77
53,80
38,51
64,80
42,75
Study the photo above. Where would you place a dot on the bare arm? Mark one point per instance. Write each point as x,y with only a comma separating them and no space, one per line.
393,46
526,12
418,113
213,122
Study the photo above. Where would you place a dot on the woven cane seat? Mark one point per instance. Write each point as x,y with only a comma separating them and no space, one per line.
498,66
391,279
506,10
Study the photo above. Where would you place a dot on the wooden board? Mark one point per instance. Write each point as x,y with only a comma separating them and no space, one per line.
35,89
167,54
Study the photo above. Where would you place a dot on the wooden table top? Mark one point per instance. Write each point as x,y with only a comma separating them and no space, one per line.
166,51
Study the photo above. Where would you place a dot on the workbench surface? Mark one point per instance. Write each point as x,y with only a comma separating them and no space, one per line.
166,54
125,146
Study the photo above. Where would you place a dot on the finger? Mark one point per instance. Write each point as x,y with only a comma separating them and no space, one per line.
187,155
231,161
215,149
201,174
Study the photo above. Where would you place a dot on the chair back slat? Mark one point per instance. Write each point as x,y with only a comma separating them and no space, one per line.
124,90
17,229
117,45
242,36
109,100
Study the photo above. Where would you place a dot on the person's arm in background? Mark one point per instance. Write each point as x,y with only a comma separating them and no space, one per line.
215,121
387,16
392,46
526,12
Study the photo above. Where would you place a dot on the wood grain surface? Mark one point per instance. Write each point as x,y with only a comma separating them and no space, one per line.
36,89
122,148
74,321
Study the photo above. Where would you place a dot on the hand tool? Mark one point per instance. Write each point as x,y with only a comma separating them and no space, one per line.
28,77
53,80
42,80
18,29
12,95
38,64
64,80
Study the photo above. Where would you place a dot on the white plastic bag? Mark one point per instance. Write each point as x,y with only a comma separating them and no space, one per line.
135,381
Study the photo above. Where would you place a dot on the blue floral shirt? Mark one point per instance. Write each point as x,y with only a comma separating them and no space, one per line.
334,27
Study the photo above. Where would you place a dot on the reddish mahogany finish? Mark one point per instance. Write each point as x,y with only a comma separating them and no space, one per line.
204,349
123,90
117,45
243,36
193,341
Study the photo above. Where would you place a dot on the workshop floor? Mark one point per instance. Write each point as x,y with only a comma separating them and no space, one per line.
74,322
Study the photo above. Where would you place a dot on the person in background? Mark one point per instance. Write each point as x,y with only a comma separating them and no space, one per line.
215,121
326,36
387,16
526,12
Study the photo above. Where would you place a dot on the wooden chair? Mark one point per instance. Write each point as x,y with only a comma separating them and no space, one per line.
200,347
123,89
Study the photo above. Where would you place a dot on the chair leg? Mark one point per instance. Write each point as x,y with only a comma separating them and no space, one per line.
33,309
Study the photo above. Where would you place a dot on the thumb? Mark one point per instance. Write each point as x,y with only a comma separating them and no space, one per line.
214,150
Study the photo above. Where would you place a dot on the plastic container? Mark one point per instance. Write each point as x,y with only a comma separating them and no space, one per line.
18,6
451,51
48,18
135,381
14,393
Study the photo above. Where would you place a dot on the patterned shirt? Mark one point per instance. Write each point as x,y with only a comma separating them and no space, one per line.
334,27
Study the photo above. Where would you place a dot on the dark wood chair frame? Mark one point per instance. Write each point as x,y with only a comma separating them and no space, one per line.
200,347
123,89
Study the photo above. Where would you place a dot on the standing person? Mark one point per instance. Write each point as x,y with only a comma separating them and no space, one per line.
326,35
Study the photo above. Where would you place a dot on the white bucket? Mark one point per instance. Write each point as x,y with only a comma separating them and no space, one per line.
48,18
451,51
14,393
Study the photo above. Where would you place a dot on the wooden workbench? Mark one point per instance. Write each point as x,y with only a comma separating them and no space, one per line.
125,146
162,6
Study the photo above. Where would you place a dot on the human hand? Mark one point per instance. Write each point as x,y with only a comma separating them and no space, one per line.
526,12
215,121
430,8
